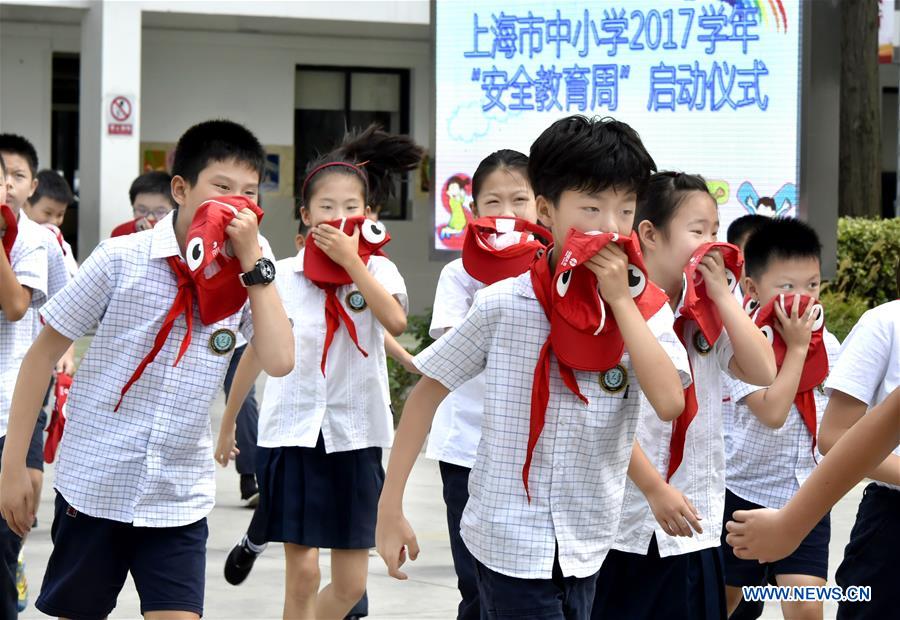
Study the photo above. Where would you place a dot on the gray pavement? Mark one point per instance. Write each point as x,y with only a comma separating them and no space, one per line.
429,593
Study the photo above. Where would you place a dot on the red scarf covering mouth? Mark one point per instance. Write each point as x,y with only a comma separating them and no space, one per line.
328,275
12,229
698,307
815,368
58,417
496,248
579,322
216,293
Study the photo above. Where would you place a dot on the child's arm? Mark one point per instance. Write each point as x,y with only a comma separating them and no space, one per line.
769,535
343,250
655,372
754,359
393,533
17,501
842,413
672,509
14,298
245,375
273,336
772,405
403,357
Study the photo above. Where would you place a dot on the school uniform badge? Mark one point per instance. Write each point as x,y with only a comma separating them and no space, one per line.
355,301
614,380
701,344
222,341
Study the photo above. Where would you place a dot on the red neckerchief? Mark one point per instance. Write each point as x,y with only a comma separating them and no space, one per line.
183,304
59,236
815,367
487,263
328,276
683,421
58,417
12,229
541,281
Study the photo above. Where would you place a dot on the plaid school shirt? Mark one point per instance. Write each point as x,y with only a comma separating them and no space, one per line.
350,405
150,463
578,471
701,475
765,465
28,259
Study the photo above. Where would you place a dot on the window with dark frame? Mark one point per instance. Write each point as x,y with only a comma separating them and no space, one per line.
332,100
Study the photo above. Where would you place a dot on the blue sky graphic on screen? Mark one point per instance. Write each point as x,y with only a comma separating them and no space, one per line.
712,87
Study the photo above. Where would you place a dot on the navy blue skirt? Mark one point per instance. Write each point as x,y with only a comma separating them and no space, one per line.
315,499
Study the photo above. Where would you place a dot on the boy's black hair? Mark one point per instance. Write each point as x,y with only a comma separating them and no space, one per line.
664,193
380,155
17,145
498,160
746,225
214,141
780,238
53,186
588,155
156,182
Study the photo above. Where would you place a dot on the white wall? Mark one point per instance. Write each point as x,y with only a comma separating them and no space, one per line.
191,76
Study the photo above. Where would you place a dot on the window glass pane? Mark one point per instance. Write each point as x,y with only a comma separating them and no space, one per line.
376,92
319,90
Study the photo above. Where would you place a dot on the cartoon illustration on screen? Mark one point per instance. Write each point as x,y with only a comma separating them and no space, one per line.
456,196
781,203
719,189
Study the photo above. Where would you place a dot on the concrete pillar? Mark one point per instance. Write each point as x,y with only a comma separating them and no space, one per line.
108,162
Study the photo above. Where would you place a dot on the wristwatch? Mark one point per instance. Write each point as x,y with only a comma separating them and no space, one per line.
262,273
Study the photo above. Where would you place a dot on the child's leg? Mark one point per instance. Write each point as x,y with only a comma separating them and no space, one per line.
738,572
349,569
456,493
733,595
801,610
301,581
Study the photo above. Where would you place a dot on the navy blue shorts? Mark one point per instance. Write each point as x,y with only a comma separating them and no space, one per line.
92,557
557,598
314,499
870,558
687,586
810,558
34,458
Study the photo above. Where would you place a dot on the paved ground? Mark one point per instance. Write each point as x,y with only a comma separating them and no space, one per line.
430,592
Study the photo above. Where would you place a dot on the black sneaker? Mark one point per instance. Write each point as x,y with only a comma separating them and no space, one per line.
239,563
249,490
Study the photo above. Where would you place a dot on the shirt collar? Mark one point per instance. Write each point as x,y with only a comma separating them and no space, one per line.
523,286
298,261
164,243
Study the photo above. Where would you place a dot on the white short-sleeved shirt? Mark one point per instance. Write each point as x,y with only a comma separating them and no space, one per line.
701,475
766,466
578,469
868,368
350,405
456,428
28,259
69,259
149,463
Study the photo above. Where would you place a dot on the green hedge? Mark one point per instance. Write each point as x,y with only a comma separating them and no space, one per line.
399,380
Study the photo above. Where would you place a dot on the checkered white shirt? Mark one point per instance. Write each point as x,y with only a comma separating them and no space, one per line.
701,475
577,477
350,404
28,259
766,466
149,463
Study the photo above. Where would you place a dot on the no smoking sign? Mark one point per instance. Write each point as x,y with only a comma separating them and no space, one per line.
120,115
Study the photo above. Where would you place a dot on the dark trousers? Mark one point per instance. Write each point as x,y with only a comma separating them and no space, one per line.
247,420
456,494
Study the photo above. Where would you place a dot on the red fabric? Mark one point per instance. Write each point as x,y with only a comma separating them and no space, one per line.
125,228
540,387
488,264
696,304
328,275
815,368
58,234
183,304
58,417
12,229
584,332
683,421
213,266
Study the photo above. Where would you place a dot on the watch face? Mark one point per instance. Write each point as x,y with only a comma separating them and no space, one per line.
267,270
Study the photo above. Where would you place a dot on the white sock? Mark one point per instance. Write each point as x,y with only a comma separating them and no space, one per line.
257,549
